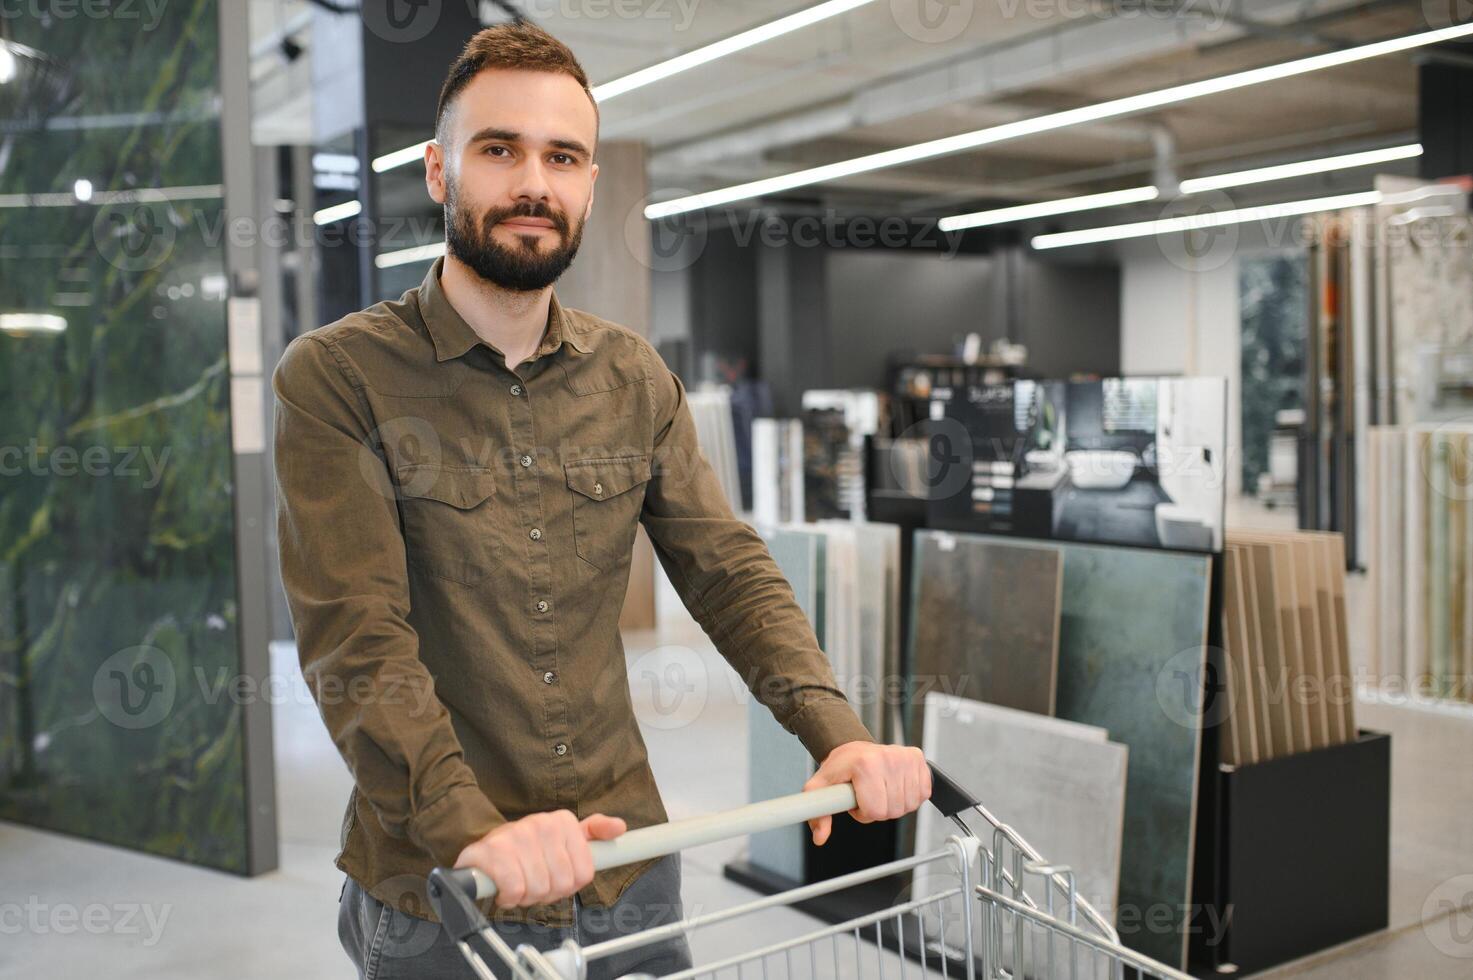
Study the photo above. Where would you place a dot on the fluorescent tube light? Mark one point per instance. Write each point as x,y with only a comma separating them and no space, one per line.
1044,209
138,195
1193,222
23,323
399,158
404,256
1303,168
673,66
727,46
1112,109
337,212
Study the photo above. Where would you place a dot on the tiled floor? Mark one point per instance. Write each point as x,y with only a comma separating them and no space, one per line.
69,908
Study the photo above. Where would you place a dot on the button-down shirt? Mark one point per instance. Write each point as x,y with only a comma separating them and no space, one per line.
455,547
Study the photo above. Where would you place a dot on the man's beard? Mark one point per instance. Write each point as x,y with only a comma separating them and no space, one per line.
524,267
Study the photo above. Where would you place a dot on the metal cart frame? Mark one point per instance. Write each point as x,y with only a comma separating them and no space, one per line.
1019,916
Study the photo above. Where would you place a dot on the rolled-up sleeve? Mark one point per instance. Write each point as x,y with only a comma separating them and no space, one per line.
344,572
729,581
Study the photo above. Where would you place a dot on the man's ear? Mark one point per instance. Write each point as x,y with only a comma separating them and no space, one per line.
592,183
435,171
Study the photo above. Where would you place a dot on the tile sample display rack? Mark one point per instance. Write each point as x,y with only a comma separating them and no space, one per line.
1302,856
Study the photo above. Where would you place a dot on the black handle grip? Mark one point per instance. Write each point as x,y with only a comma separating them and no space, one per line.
453,895
947,794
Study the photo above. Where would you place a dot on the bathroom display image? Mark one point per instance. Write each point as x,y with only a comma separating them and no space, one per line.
1133,461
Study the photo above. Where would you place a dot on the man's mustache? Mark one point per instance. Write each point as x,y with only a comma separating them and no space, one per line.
497,216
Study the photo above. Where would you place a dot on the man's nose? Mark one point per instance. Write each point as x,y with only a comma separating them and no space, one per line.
531,181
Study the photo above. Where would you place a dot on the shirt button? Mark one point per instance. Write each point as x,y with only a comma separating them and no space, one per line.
536,534
549,677
526,460
598,488
516,389
560,749
542,605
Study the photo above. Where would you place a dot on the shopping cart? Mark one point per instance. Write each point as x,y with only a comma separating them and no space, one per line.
998,912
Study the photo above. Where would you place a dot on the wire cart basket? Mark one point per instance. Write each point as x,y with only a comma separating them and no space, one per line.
993,909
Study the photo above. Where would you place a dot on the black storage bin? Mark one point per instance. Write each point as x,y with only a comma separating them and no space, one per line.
1299,857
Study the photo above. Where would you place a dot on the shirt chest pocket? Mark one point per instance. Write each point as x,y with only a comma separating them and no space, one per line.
608,495
450,525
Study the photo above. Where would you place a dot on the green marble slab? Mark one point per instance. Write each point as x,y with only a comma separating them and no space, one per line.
1132,649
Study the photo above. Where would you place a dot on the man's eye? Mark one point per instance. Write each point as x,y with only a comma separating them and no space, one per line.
494,149
564,158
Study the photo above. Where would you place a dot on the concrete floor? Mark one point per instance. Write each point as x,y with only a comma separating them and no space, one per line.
70,908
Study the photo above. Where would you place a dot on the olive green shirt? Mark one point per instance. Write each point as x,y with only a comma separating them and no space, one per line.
455,547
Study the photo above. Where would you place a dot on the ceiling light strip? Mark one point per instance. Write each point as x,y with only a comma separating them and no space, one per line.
1112,109
1303,168
1196,222
1044,209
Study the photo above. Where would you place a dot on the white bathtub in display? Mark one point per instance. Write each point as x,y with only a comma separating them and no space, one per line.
1100,469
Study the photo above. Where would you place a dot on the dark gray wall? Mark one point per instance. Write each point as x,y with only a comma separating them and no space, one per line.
723,304
1069,318
830,317
881,301
1445,114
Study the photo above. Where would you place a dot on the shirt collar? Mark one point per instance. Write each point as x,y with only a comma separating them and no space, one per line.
452,336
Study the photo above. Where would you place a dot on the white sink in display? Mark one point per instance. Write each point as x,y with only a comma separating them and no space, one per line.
1100,469
1181,527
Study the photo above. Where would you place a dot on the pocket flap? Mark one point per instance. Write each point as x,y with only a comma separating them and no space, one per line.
462,488
600,479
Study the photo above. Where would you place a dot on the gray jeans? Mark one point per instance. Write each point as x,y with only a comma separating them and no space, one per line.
387,944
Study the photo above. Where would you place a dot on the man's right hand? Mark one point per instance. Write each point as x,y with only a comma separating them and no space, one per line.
540,858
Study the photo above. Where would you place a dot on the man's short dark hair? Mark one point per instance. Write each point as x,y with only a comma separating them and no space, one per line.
524,46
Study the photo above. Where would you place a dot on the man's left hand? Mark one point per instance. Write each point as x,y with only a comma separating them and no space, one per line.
889,782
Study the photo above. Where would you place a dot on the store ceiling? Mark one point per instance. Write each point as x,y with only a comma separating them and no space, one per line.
876,78
859,83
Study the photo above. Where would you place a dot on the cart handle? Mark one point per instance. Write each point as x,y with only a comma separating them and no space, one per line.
668,838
